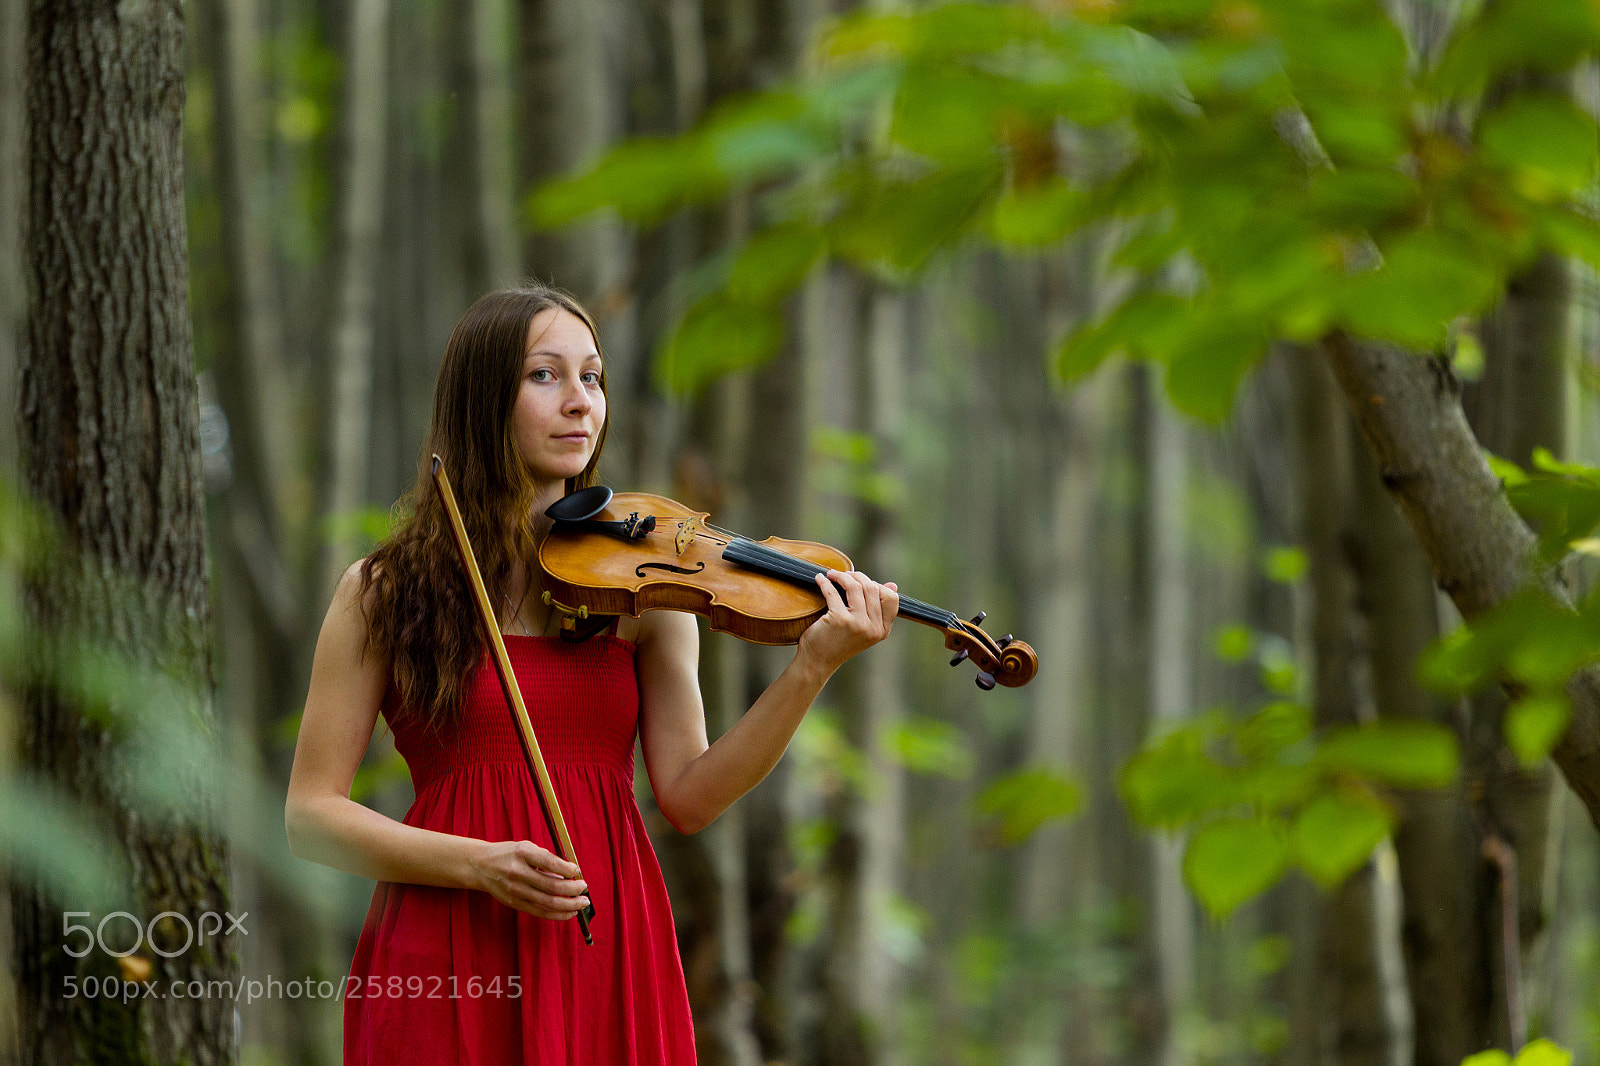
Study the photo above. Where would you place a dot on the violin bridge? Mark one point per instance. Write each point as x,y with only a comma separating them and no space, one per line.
687,530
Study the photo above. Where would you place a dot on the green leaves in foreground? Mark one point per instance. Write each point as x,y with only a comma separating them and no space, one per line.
1536,1053
1026,799
1264,793
1254,172
1531,642
1534,645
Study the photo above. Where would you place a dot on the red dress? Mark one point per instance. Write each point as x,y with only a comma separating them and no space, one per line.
447,975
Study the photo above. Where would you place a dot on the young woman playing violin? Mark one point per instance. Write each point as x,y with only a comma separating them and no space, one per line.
467,953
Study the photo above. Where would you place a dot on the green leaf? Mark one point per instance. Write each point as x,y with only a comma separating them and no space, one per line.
1544,138
1428,278
1233,859
1514,35
1406,754
1285,565
1550,645
1535,723
1492,1057
718,336
1334,834
1203,376
1038,216
899,225
1233,644
1561,510
1173,782
642,180
926,746
1027,799
948,112
774,262
1273,729
1571,233
1507,471
1143,319
1459,662
758,137
1542,1052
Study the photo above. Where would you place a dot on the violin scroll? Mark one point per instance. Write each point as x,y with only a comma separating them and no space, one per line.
1007,661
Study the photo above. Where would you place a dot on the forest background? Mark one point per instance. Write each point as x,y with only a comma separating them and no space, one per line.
1227,353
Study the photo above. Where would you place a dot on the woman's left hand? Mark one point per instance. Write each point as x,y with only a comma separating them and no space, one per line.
853,623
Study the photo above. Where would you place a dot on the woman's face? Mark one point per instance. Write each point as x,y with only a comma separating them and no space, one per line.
559,408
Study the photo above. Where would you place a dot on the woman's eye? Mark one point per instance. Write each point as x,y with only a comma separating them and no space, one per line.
592,377
540,375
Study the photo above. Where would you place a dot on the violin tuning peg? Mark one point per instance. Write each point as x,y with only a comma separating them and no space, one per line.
985,680
960,656
978,619
1007,639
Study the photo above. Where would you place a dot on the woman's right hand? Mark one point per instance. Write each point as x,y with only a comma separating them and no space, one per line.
522,875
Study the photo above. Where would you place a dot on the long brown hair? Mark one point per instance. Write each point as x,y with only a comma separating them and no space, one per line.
419,609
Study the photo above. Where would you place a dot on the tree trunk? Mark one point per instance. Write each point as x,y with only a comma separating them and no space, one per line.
1349,1019
110,447
1441,872
569,95
861,869
485,80
13,197
1519,405
1170,696
1479,549
13,303
347,417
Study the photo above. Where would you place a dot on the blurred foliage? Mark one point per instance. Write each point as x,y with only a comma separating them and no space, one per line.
164,757
1536,1053
1267,171
1260,172
1531,642
1263,793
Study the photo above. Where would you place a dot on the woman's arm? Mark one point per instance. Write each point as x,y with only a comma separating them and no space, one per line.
325,825
695,782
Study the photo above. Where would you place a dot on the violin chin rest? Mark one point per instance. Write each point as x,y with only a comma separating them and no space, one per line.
581,505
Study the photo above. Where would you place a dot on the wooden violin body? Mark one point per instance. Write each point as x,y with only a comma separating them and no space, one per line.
644,552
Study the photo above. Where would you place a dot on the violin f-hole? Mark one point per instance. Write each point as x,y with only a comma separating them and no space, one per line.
639,571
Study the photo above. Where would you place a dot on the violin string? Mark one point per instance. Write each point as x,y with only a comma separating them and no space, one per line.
804,571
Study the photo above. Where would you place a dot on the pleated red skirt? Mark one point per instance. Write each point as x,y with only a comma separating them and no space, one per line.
445,975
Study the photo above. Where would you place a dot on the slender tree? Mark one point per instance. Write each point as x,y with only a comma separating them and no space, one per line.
1349,1019
110,446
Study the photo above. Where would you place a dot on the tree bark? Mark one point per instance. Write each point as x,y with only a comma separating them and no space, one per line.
1478,548
1349,1019
861,870
13,301
1519,405
1441,872
1170,696
110,446
347,417
13,196
569,94
485,80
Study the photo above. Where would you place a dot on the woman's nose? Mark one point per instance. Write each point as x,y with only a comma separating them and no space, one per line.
577,400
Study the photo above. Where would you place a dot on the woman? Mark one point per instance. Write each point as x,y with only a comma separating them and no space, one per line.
468,953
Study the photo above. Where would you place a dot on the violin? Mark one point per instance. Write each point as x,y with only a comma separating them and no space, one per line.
610,554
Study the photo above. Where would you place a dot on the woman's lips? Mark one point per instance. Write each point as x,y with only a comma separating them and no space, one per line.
575,438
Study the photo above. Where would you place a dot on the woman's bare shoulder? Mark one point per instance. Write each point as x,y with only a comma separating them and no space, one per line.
668,629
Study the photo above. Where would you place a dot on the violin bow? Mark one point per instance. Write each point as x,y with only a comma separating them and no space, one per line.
508,684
